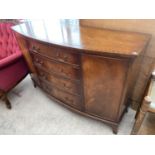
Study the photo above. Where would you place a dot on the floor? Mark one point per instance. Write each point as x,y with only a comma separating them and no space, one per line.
148,125
34,113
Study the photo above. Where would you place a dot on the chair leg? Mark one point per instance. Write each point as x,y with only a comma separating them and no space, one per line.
6,100
141,115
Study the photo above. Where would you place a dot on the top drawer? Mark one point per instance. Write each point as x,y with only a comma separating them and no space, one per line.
54,52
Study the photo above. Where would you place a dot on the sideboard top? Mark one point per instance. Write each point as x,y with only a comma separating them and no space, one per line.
71,34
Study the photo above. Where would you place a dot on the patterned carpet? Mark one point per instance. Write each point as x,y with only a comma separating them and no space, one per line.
34,113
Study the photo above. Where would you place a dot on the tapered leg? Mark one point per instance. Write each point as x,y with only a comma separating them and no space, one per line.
34,84
6,100
8,104
126,110
115,129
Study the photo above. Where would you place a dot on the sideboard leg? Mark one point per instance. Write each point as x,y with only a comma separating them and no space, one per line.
126,110
34,84
115,129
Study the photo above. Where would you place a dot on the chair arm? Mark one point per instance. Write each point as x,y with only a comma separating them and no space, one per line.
10,59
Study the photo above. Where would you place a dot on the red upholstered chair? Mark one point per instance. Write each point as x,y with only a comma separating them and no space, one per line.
12,64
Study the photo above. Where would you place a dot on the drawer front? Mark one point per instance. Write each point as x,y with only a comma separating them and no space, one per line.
57,53
64,70
61,83
69,99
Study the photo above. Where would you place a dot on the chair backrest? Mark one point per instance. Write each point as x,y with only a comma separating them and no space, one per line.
8,43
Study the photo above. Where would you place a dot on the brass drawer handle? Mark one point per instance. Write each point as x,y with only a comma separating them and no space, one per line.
65,57
60,59
65,85
39,61
57,54
62,56
35,48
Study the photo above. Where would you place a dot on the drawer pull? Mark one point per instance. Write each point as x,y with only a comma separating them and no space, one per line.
58,54
65,57
39,61
64,84
38,49
35,48
61,60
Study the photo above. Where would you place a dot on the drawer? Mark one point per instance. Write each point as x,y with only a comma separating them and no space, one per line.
61,83
54,52
68,99
62,69
45,87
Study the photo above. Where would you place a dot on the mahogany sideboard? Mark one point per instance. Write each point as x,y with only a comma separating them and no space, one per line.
86,69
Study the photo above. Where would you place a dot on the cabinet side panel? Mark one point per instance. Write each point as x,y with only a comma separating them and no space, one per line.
104,82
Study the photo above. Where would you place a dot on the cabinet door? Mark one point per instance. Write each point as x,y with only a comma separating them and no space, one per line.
104,85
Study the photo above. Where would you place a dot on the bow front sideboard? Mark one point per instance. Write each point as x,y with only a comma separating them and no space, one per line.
90,71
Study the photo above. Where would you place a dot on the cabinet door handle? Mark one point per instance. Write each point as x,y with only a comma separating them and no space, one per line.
65,85
35,48
38,49
60,59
